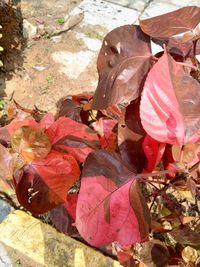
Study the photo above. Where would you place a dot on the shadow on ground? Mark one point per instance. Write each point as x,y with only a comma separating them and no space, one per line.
12,41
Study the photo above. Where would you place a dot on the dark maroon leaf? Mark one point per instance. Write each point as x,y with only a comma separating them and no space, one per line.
62,220
123,62
68,108
179,21
154,254
186,236
130,137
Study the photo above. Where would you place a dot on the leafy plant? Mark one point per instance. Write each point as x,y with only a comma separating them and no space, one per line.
61,21
122,166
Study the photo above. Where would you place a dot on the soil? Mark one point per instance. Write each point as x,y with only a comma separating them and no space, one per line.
30,75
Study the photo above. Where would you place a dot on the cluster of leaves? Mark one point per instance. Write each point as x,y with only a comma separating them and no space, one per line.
113,165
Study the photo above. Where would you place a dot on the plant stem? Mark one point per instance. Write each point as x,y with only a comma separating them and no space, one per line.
194,52
181,153
187,65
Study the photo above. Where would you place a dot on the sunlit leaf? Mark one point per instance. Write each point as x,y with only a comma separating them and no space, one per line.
123,62
31,143
72,137
110,205
169,24
170,104
43,184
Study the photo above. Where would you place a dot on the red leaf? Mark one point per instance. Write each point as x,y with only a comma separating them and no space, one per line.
123,62
154,151
73,137
71,204
42,185
170,104
110,205
104,127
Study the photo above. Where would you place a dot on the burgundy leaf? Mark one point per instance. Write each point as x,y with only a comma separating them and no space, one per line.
110,205
130,137
42,185
179,21
73,137
62,220
123,62
68,108
170,103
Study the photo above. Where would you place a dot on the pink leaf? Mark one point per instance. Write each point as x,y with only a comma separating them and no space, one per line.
110,205
170,103
73,137
47,121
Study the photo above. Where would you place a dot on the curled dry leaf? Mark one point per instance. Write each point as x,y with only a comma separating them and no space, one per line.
189,254
170,102
123,62
31,143
110,206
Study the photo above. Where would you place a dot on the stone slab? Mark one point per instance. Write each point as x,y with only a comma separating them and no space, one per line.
159,7
134,4
5,209
31,243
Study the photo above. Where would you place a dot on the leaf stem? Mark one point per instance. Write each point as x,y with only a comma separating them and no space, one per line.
181,153
187,65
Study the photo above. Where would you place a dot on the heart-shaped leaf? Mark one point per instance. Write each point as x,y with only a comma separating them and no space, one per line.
110,205
43,184
123,62
73,137
170,103
179,21
31,143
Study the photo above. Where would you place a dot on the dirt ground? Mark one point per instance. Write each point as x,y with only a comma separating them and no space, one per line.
35,78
